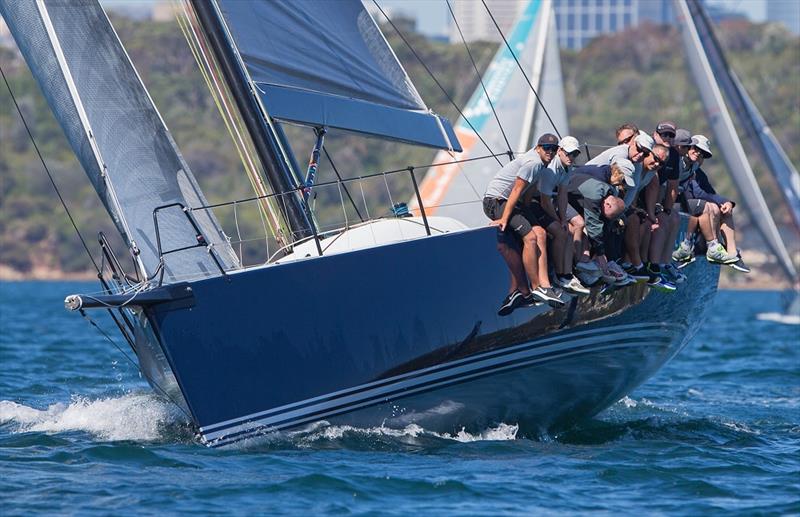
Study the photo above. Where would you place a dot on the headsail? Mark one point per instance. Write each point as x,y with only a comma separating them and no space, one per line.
328,64
116,132
727,139
455,190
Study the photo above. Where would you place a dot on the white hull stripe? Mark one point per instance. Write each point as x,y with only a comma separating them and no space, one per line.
451,376
258,427
571,336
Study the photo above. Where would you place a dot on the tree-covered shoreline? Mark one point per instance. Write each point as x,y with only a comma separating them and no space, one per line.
638,75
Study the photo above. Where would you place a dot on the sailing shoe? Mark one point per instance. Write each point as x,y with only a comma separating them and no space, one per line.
674,276
739,265
588,279
682,265
718,255
638,273
531,300
621,278
573,285
513,301
549,295
588,267
684,252
659,283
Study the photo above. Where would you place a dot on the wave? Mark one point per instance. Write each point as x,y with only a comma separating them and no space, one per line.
132,417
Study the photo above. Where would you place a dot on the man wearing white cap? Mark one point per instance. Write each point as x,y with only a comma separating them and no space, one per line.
712,212
561,221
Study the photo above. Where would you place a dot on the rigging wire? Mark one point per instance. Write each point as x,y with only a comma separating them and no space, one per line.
480,78
330,160
519,65
427,69
49,175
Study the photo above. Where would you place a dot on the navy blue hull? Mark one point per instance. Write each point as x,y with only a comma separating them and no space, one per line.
409,333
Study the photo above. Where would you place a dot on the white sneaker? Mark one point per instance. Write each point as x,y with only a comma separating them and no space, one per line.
573,285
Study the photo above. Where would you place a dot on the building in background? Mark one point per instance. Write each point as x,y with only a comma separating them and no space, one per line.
579,21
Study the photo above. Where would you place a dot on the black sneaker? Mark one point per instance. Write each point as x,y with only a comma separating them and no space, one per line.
739,265
549,295
513,301
531,300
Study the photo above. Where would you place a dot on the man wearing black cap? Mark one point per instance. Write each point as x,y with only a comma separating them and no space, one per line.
503,204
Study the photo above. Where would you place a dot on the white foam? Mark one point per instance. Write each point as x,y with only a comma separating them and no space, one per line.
777,317
137,417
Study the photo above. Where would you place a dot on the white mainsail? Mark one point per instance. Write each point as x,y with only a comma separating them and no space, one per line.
456,189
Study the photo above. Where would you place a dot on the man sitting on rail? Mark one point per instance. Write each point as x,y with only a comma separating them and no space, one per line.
562,222
712,212
502,203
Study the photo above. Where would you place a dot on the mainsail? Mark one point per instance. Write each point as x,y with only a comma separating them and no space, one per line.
117,134
750,119
706,79
455,189
327,64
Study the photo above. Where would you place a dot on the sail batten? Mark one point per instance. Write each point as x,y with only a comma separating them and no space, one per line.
328,64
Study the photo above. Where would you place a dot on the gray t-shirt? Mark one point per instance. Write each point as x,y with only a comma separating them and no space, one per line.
618,152
527,167
552,177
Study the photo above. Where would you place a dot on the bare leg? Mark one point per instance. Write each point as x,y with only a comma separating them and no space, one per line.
644,237
562,250
729,230
513,260
709,222
632,239
530,258
669,244
658,238
576,225
691,227
541,243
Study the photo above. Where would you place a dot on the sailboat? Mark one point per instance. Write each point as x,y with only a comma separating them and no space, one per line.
713,76
390,322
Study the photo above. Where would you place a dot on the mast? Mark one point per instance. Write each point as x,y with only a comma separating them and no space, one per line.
272,155
720,121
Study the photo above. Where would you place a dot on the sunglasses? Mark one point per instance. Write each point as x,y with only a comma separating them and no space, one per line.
702,153
667,134
549,148
574,154
625,140
645,152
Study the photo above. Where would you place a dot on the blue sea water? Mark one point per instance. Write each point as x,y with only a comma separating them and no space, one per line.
717,431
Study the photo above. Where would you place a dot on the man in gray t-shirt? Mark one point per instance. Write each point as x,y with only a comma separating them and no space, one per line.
503,204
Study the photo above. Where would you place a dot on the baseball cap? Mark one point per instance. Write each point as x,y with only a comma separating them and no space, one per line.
547,139
666,125
702,143
569,144
627,168
682,137
644,141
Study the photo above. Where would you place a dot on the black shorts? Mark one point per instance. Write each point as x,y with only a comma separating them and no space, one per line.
541,216
522,220
694,207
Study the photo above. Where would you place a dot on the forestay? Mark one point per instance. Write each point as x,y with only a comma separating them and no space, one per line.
116,132
328,64
455,189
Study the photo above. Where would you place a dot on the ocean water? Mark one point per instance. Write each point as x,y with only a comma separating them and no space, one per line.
717,431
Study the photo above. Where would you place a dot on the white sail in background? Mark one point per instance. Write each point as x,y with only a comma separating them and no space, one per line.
727,139
456,190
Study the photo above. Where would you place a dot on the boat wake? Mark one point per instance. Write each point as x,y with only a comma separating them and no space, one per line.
323,435
779,317
130,417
